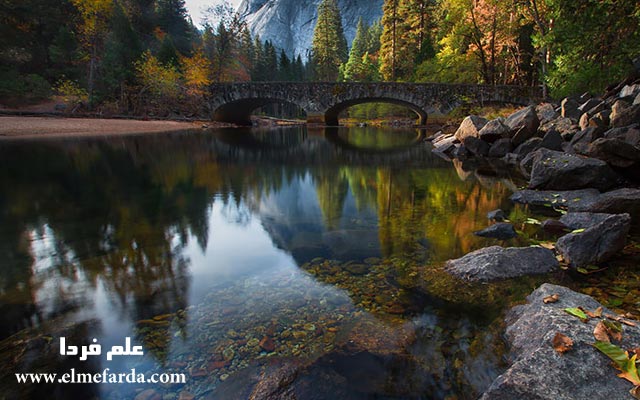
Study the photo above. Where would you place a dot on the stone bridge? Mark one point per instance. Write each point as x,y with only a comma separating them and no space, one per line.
323,102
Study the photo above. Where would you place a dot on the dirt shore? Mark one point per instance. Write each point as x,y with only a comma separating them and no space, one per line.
17,127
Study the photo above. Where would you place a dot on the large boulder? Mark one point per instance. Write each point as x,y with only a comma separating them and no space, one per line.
623,114
477,147
583,220
500,148
560,171
546,112
587,136
614,152
552,140
501,230
569,199
626,200
629,134
527,147
523,124
470,126
569,109
445,143
494,130
596,243
538,372
496,262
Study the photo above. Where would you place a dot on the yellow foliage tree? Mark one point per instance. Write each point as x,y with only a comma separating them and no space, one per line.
197,73
161,80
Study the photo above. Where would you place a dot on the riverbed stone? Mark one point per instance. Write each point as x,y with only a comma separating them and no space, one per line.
569,109
556,198
546,112
527,147
596,243
626,116
494,130
538,372
614,152
523,124
629,134
500,148
496,215
476,146
496,262
501,231
583,220
552,140
470,126
561,171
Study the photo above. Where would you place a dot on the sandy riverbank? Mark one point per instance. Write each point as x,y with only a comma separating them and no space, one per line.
14,127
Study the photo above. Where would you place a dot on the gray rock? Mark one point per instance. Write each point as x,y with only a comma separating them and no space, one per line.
552,140
501,231
630,91
560,171
588,105
538,372
477,147
587,136
546,112
494,130
637,100
597,243
470,126
554,226
495,262
500,148
289,24
496,215
570,199
523,124
625,116
563,125
459,151
570,109
618,201
630,134
527,147
601,106
445,143
614,152
582,220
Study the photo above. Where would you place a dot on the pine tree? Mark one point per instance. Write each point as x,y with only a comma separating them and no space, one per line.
173,19
329,46
354,69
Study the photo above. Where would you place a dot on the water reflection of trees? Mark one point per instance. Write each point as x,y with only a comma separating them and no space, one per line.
124,208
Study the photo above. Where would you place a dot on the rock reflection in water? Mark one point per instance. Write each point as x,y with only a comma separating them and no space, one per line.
254,262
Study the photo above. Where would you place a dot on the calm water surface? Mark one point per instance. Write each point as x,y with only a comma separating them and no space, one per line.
275,262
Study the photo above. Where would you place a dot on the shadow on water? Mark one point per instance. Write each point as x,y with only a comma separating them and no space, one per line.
252,261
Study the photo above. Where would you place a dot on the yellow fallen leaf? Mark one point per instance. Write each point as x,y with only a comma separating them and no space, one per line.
635,392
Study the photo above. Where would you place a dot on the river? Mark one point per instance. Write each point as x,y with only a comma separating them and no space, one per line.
287,260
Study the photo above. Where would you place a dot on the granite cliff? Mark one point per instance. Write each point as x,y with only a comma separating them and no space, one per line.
289,24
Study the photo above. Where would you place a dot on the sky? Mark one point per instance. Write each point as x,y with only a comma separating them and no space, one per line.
195,7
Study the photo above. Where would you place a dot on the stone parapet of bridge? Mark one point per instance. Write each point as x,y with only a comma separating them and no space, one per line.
324,101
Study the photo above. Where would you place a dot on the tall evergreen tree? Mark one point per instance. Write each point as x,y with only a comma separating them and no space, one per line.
354,70
329,46
173,19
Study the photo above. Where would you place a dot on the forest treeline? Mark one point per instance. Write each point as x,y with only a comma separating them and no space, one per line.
132,56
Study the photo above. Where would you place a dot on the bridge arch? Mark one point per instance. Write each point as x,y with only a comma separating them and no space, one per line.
331,115
239,111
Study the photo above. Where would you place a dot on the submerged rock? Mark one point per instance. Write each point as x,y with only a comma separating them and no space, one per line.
496,215
598,242
501,230
539,372
496,262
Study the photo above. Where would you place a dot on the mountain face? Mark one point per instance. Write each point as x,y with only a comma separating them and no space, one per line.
289,24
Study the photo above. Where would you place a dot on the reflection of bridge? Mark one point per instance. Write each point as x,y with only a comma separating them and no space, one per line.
323,102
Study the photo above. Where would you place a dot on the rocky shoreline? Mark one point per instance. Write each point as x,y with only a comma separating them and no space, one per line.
581,158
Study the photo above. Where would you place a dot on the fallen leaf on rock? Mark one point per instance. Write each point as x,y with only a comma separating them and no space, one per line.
600,333
614,329
551,299
626,366
576,312
635,392
561,343
598,312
